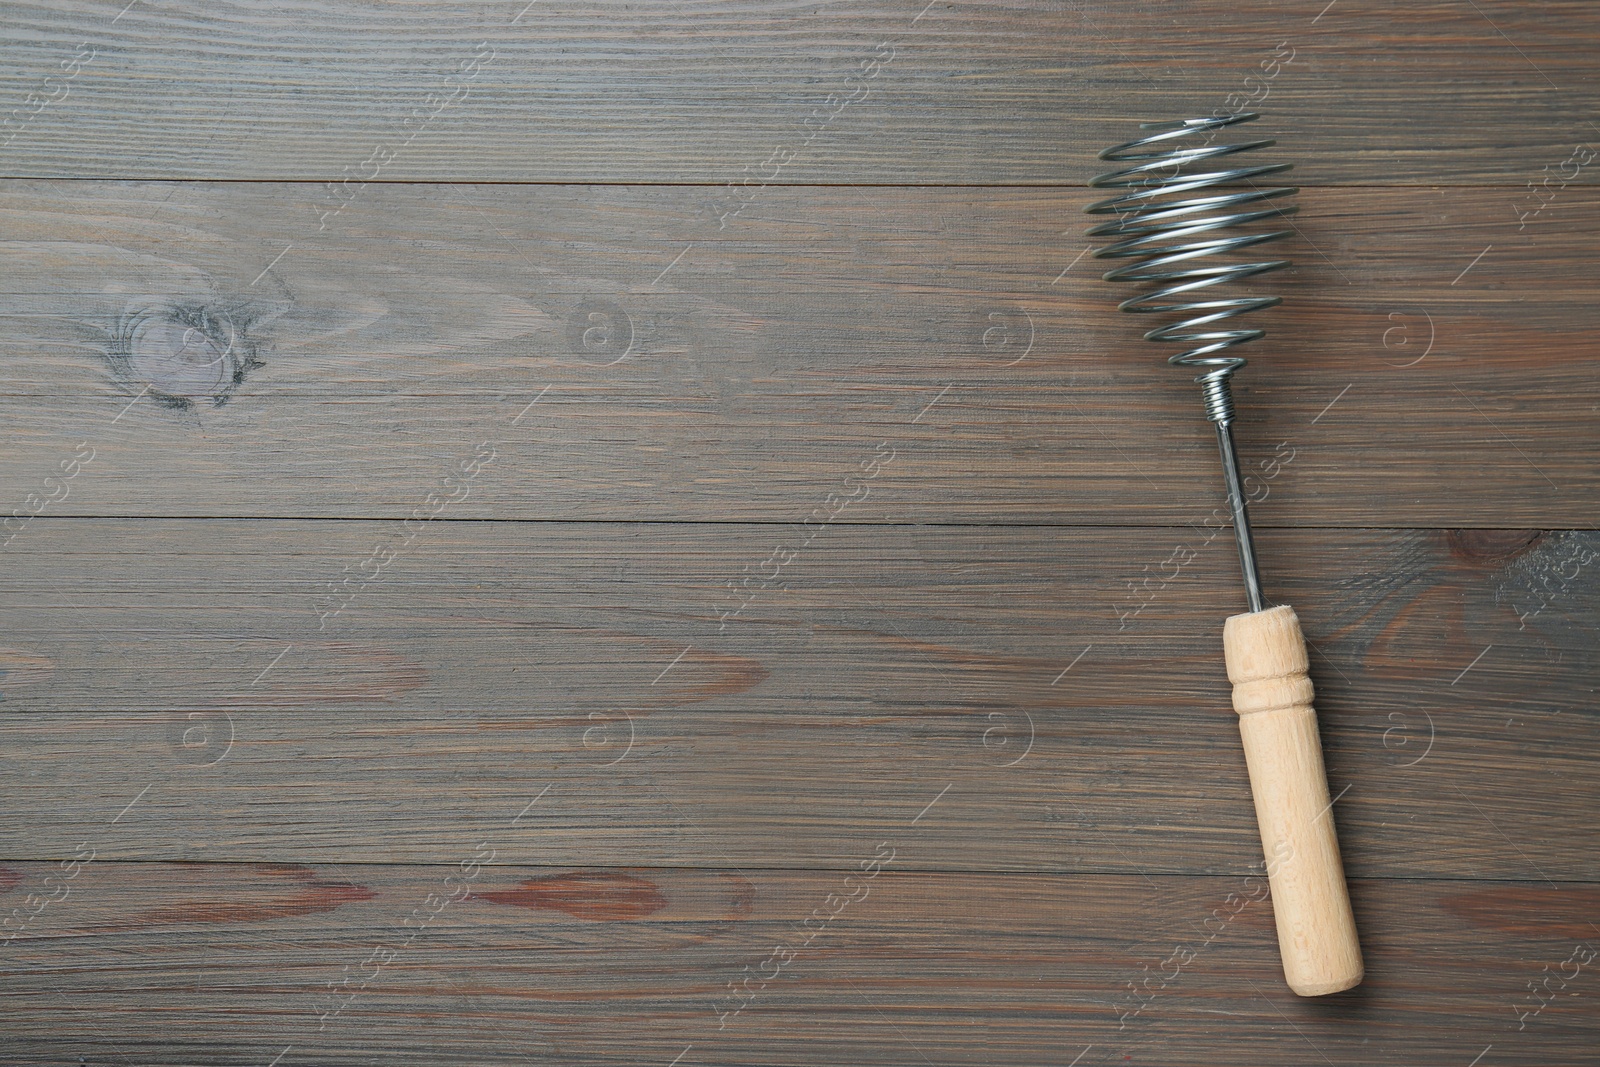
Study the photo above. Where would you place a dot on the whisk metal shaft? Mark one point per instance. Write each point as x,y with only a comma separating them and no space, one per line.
1241,518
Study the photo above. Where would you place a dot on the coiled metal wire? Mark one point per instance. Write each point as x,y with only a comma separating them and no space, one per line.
1169,232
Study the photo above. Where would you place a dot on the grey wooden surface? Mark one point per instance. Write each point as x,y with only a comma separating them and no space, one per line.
677,722
689,373
895,93
633,534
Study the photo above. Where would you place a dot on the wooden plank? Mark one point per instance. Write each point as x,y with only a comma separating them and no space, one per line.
1430,368
224,676
890,92
156,963
538,499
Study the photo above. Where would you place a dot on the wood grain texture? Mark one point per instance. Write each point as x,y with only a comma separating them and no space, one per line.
678,722
508,509
749,375
891,91
384,965
1269,666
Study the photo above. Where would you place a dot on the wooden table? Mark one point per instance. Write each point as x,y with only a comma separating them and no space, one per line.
617,533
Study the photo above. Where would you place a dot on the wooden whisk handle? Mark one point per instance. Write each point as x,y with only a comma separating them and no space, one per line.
1267,665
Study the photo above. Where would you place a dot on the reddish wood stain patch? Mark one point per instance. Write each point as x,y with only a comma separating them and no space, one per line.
250,901
336,672
1490,549
736,674
604,896
1529,910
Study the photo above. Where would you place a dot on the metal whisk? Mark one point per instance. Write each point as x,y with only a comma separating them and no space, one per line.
1180,219
1166,231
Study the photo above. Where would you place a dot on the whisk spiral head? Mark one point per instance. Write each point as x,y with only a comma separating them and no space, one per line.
1177,208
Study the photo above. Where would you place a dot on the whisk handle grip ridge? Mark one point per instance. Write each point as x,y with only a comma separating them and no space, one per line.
1267,664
